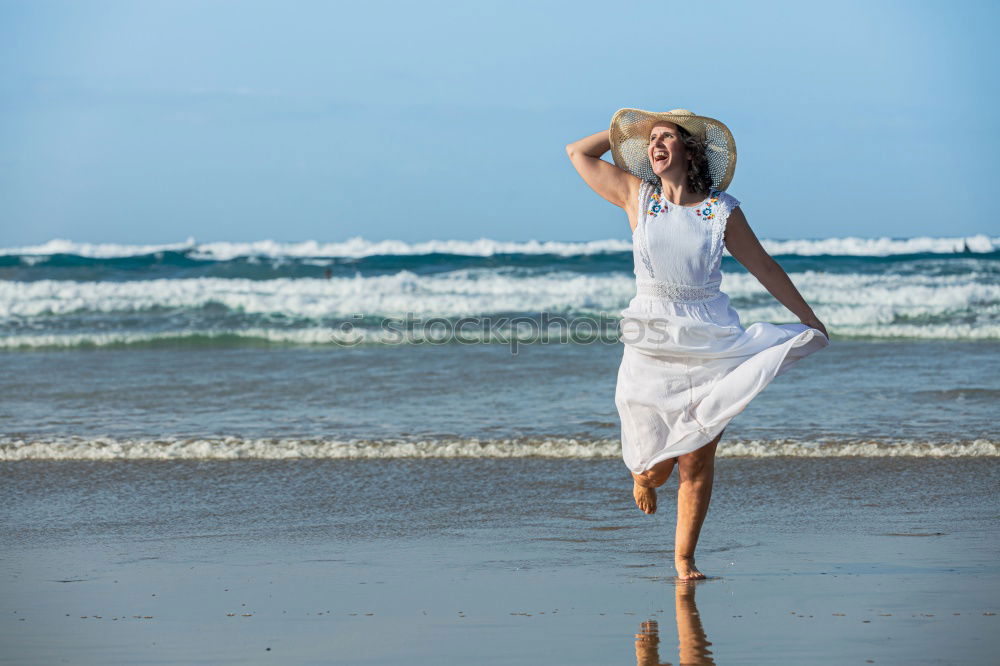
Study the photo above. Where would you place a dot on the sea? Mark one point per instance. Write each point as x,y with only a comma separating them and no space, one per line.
467,349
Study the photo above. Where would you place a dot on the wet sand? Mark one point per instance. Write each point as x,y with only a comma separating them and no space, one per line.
518,561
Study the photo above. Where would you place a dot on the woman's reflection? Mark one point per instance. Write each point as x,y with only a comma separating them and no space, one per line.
693,647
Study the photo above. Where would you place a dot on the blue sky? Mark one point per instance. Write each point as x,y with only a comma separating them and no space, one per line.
153,121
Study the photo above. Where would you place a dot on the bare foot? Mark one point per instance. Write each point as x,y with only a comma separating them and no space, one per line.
647,643
645,498
686,570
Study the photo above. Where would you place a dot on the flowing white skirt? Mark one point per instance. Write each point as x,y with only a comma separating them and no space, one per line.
689,368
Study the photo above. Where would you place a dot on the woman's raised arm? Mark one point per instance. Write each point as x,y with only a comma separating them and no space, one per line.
616,185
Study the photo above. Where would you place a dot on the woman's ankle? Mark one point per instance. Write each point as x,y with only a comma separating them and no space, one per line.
643,481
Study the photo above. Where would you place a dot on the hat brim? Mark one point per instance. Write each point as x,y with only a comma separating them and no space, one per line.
630,138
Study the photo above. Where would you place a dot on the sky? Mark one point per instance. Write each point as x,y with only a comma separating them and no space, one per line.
160,120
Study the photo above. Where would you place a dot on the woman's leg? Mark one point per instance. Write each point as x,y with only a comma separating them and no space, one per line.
644,485
694,492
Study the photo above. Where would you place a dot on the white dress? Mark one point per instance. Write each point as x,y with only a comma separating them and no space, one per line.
688,365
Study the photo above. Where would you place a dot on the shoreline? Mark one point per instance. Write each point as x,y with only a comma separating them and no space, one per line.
520,561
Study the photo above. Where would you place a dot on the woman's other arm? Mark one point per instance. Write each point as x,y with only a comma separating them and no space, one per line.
616,185
743,244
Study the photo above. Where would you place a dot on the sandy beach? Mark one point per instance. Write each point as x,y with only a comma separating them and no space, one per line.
523,561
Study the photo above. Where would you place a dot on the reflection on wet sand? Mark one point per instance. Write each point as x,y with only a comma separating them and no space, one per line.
693,643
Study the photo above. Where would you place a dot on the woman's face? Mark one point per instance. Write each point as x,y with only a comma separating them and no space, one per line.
666,150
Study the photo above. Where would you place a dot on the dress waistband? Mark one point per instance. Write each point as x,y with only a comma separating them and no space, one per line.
683,293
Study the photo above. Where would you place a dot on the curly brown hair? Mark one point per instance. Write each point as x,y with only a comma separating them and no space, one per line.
699,178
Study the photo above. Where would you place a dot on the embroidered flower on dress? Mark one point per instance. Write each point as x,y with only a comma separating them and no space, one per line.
655,206
708,212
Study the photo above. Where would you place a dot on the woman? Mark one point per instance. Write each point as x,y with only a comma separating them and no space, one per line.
688,365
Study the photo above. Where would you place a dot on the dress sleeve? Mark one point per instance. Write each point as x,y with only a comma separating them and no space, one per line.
644,189
729,202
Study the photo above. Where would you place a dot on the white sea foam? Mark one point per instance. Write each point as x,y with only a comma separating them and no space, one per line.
96,250
479,291
965,306
318,335
359,247
884,246
110,449
353,247
458,293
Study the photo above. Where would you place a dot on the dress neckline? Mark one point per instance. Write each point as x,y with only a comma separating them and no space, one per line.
663,199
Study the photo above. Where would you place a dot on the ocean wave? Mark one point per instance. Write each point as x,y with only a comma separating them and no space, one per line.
56,313
458,293
479,291
232,448
313,336
361,337
353,247
359,247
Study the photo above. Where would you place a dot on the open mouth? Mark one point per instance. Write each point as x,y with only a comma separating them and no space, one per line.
659,158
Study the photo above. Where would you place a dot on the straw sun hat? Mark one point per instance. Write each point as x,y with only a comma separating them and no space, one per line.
630,138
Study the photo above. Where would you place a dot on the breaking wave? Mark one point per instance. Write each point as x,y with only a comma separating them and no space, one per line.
231,448
359,247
